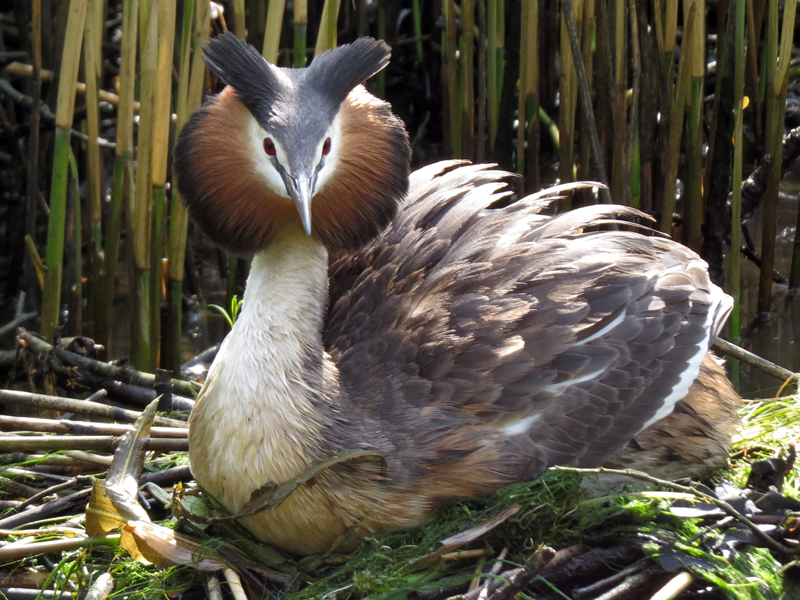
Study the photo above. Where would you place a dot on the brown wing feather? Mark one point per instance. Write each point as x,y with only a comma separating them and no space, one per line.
506,332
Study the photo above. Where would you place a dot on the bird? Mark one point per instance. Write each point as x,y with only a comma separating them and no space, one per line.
467,340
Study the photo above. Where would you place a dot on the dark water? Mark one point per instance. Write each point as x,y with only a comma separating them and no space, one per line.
779,339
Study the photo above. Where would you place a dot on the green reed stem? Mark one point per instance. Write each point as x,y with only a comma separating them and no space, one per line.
70,60
416,7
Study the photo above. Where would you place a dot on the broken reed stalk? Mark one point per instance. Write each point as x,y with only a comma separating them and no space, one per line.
17,550
272,33
122,189
70,60
239,21
109,371
777,82
93,70
83,407
300,32
196,29
98,443
9,423
734,351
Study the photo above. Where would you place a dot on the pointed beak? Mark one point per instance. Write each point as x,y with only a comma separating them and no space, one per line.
301,189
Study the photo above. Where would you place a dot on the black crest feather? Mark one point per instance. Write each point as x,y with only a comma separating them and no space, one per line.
240,65
336,72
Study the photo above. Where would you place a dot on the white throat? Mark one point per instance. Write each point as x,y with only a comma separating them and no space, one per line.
258,402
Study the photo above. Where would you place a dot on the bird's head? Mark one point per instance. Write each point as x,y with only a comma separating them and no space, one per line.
286,146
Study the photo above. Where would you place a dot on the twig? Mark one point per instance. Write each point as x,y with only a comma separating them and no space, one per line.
168,477
11,326
22,99
625,588
52,490
101,588
23,549
85,407
76,500
81,427
124,374
674,586
484,589
590,591
33,594
753,360
234,584
213,587
536,563
768,541
22,70
100,443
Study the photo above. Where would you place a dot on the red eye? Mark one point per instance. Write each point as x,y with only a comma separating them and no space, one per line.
269,147
326,146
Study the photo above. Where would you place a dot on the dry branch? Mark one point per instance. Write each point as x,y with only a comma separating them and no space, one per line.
124,374
81,427
81,406
100,443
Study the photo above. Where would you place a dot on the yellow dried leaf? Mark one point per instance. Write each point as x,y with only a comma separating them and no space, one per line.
101,515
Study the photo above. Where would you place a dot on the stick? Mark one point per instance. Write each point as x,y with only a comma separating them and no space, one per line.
124,374
101,588
85,407
71,502
21,550
753,360
81,427
101,443
17,322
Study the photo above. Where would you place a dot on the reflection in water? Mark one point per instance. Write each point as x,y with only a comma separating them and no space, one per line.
777,339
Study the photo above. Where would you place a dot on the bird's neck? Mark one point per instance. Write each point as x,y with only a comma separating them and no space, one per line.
264,402
285,299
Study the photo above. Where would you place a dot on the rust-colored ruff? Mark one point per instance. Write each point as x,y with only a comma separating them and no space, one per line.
232,202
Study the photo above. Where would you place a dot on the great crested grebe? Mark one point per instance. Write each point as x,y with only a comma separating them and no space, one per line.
471,347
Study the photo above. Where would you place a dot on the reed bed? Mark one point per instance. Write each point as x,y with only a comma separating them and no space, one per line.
581,104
